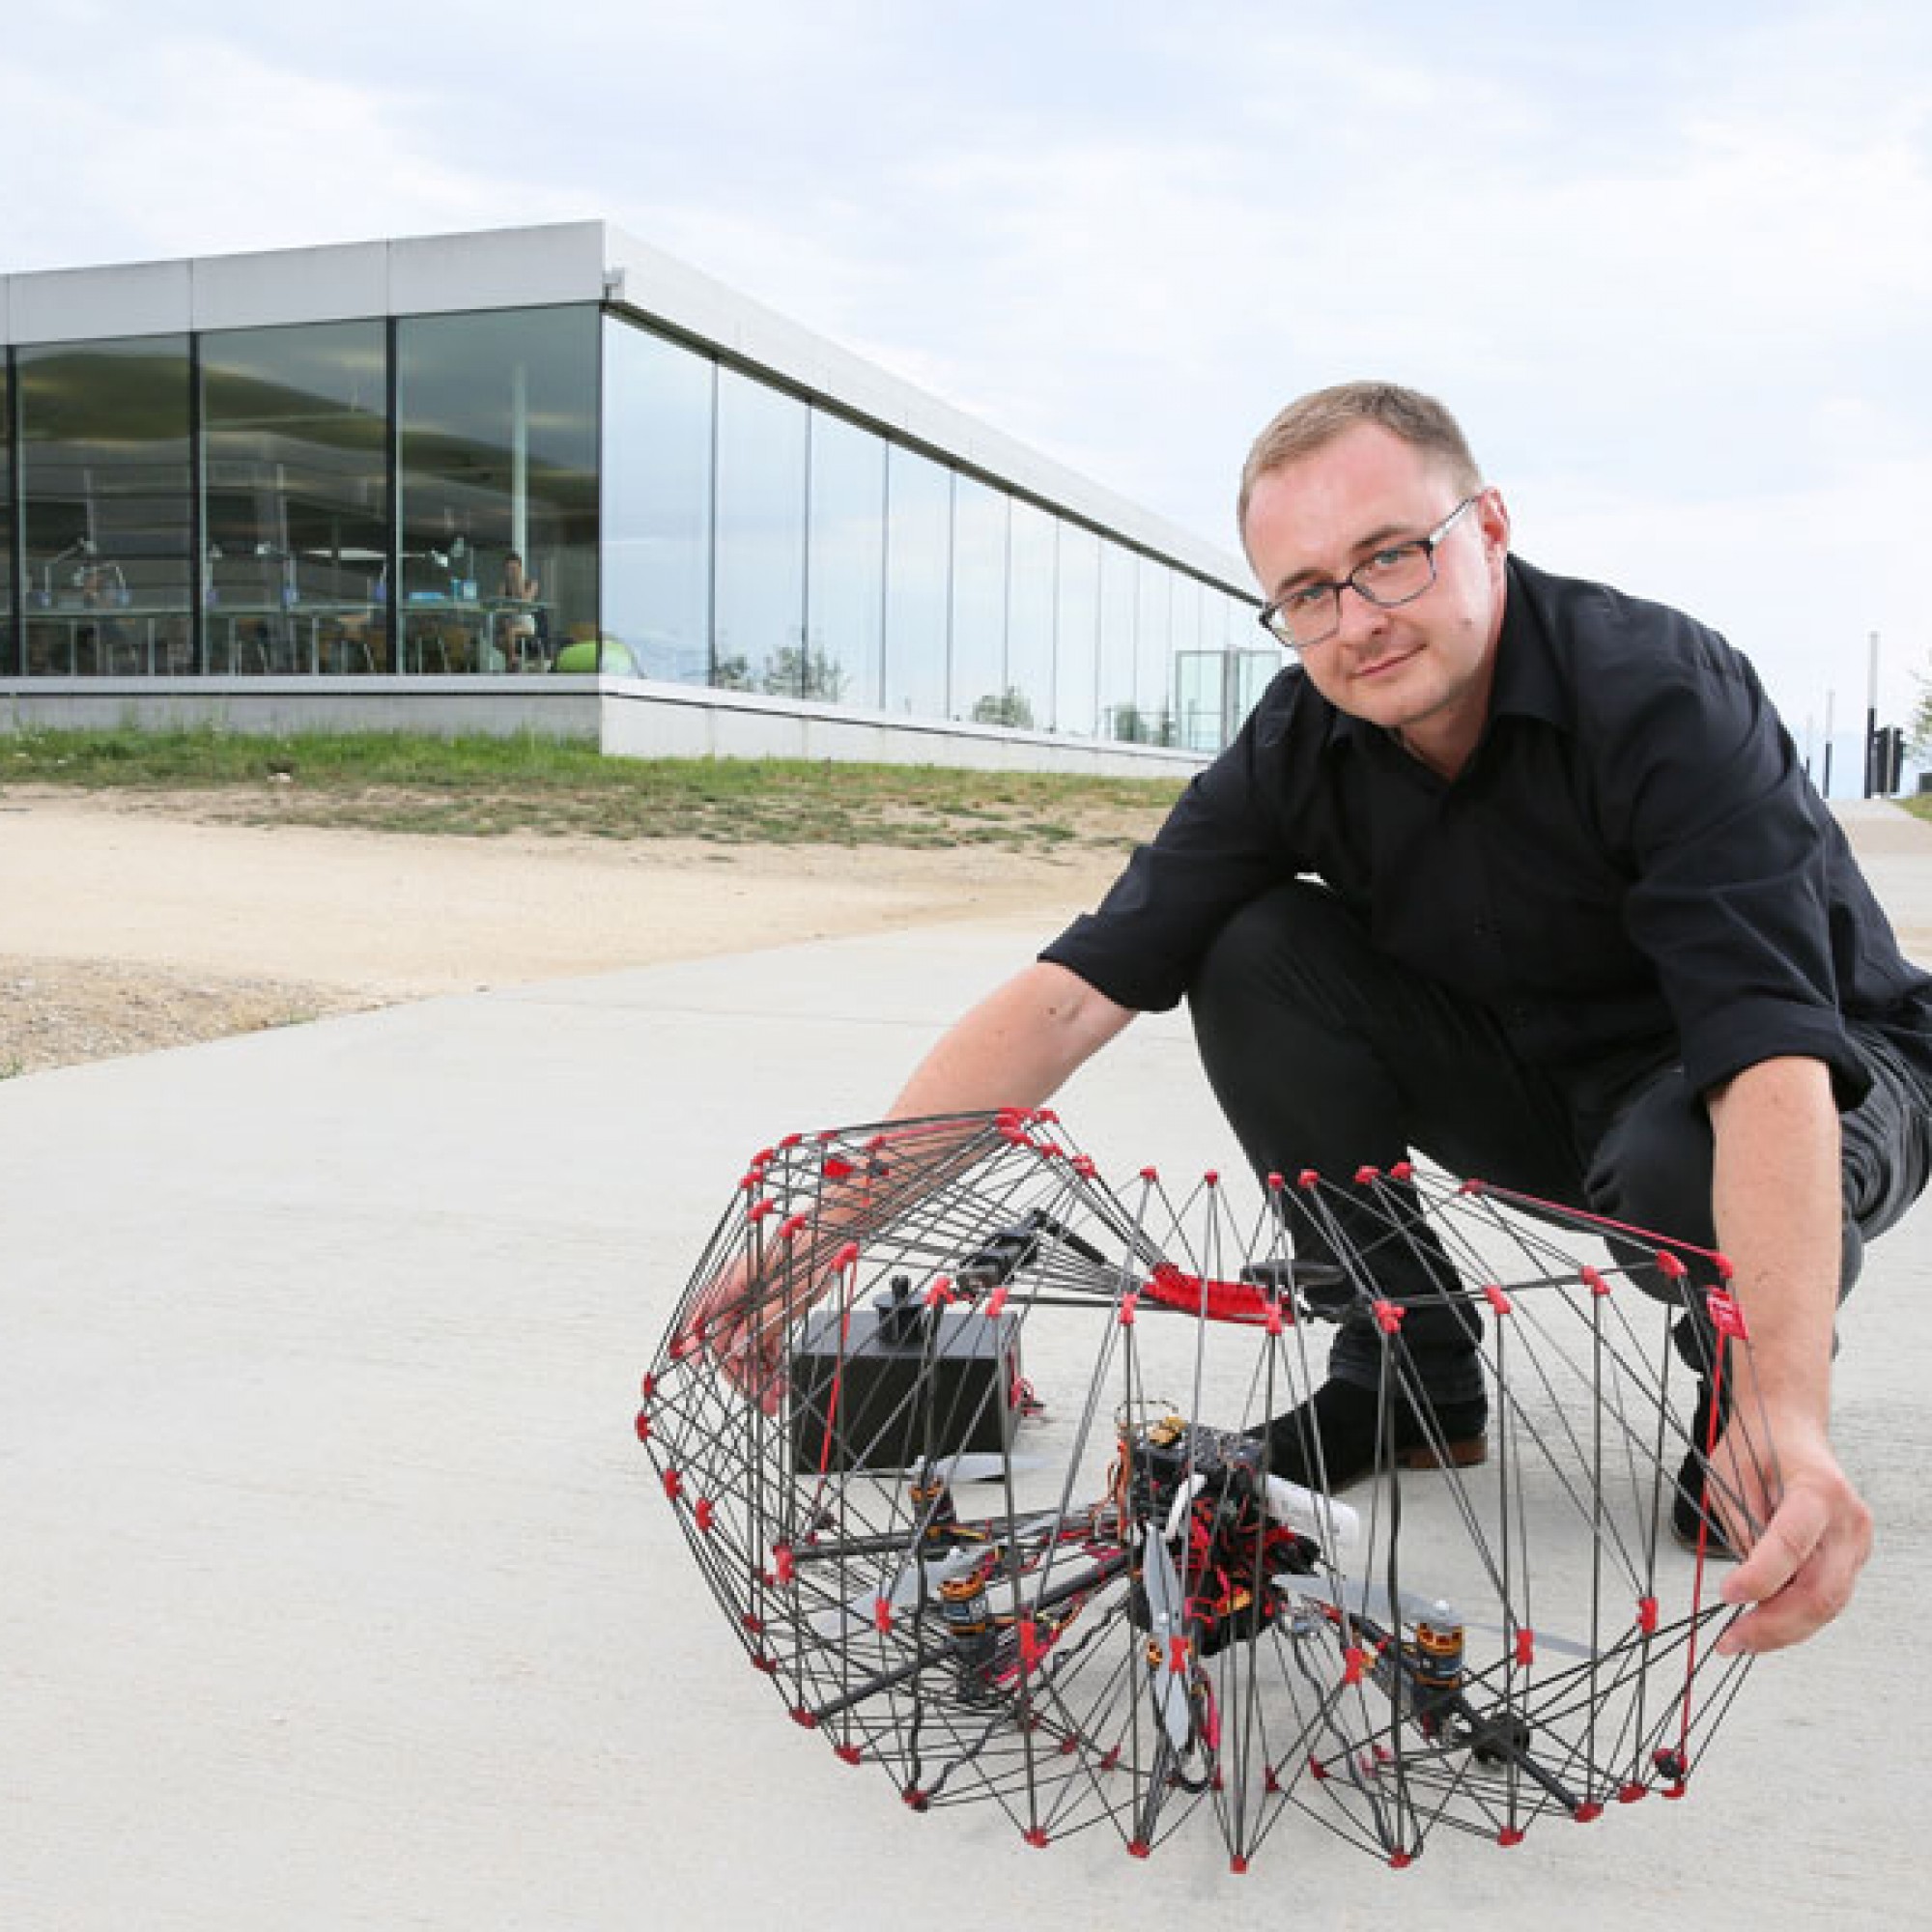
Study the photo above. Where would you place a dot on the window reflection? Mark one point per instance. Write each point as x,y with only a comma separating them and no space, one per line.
919,551
845,575
1119,605
760,572
1076,659
10,656
295,499
498,526
1153,653
977,685
657,502
104,482
1030,616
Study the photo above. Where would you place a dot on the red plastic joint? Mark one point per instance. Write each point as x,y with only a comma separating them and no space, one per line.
1238,1865
1510,1835
644,1424
803,1718
1594,1281
1403,1170
847,1257
1211,1179
1354,1662
1388,1316
674,1483
995,1304
942,1293
1138,1848
1632,1793
1525,1647
1727,1317
1083,1166
1496,1298
1647,1615
1587,1812
1037,1839
1308,1177
847,1753
882,1615
1366,1176
1670,1266
837,1168
1400,1860
793,1226
1149,1173
785,1565
1128,1303
1031,1650
1275,1183
706,1514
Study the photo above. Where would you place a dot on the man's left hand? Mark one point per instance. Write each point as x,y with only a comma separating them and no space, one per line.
1801,1569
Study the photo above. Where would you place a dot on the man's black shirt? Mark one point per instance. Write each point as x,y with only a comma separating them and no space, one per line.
1632,865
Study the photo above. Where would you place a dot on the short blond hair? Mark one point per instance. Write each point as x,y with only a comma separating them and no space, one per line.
1317,420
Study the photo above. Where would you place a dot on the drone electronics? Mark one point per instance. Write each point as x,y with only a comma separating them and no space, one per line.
967,1445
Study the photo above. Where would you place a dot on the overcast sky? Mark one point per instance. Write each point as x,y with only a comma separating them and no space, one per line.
1671,264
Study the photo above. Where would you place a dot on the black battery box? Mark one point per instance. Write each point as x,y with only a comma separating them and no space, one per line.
893,1383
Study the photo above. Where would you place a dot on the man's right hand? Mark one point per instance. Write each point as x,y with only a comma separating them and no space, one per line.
741,1321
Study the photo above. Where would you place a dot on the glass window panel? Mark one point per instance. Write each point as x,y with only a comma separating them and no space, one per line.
1030,616
1119,714
1153,653
296,494
1199,677
1184,629
760,578
499,432
658,400
1076,660
10,661
105,483
978,683
919,551
845,575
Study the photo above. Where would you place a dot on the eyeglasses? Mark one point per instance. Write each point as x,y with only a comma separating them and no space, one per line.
1397,574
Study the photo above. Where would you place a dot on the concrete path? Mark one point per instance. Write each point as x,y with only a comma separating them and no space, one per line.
338,1595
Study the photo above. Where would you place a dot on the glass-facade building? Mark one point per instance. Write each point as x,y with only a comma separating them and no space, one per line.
554,451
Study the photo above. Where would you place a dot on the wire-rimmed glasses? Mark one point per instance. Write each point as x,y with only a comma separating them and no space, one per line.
1395,574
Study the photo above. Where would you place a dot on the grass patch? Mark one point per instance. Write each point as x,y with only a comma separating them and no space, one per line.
489,786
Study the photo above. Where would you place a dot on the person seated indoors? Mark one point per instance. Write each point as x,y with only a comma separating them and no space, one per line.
517,630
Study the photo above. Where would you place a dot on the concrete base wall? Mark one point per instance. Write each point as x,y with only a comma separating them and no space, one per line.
563,707
630,717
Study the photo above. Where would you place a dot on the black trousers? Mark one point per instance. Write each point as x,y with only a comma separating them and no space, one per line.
1327,1053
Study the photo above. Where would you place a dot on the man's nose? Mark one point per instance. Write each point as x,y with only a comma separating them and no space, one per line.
1361,621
